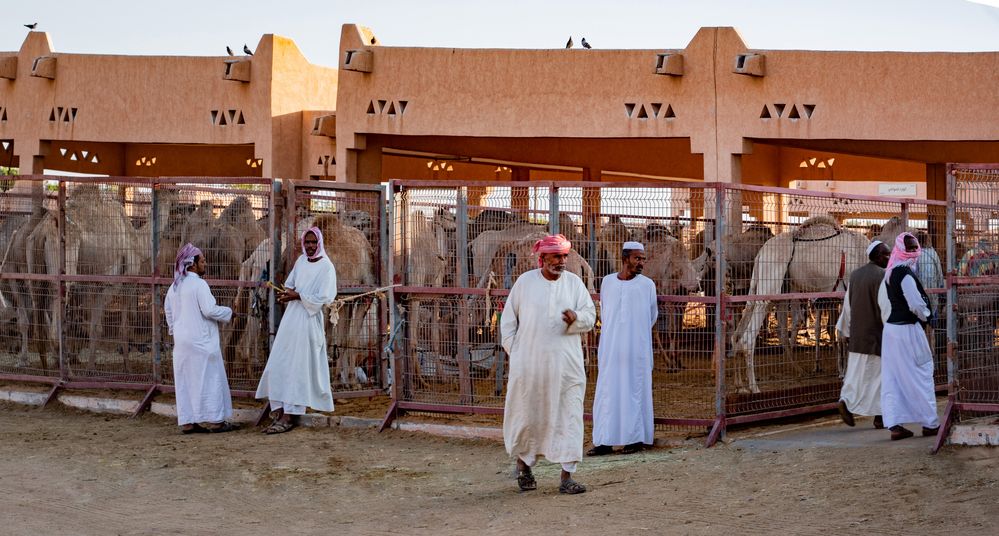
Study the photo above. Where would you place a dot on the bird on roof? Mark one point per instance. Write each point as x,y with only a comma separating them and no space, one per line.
585,44
569,43
229,50
247,50
31,26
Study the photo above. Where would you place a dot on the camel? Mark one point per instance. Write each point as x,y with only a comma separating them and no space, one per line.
668,265
819,256
609,240
17,297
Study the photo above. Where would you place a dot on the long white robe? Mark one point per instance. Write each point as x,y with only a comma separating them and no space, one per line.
907,388
543,415
622,404
862,382
297,370
200,383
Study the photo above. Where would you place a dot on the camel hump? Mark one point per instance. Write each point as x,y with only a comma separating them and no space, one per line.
820,226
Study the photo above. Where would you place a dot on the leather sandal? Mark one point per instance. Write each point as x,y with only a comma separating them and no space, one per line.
525,481
571,487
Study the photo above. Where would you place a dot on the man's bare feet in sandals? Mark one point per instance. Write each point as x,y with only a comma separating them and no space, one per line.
525,479
570,486
283,423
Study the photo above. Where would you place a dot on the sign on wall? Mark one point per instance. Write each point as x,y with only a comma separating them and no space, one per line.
897,189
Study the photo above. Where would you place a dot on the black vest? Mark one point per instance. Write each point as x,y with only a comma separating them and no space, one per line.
900,313
865,315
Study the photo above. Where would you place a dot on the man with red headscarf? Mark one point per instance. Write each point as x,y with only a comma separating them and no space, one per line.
203,399
907,388
545,314
297,374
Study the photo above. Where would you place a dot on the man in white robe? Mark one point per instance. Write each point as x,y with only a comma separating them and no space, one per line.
860,325
622,404
907,388
297,375
545,314
200,384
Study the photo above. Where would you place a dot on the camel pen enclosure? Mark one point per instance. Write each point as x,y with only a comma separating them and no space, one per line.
750,284
87,262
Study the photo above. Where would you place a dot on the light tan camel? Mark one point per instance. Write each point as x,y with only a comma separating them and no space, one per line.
819,256
669,266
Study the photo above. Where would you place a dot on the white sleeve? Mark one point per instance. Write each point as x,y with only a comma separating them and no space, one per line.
843,324
209,309
883,302
654,305
915,300
168,309
509,320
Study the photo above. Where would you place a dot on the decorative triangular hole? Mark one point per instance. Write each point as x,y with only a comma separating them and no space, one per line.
3,115
72,114
809,110
765,114
332,160
642,114
656,107
371,107
391,108
320,162
669,112
60,114
402,106
62,151
215,117
84,154
94,159
5,145
232,116
73,157
52,116
240,120
780,109
629,108
222,120
794,113
381,105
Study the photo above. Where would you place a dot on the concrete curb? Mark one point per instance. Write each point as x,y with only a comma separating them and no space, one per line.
975,434
242,415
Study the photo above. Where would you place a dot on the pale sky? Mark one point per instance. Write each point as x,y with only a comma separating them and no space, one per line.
205,27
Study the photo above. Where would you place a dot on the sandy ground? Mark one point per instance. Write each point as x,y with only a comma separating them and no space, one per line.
66,472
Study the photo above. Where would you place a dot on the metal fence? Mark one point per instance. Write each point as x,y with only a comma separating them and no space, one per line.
87,262
973,287
757,342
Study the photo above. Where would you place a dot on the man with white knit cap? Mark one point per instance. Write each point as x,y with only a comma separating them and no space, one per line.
861,325
622,404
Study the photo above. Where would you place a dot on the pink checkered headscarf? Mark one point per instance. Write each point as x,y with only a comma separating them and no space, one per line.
551,244
185,258
319,236
901,257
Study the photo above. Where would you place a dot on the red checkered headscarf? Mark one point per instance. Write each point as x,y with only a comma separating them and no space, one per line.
901,257
551,244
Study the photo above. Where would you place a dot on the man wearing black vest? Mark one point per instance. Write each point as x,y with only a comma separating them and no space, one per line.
860,323
907,388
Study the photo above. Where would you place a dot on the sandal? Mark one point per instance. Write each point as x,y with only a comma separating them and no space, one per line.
222,428
633,448
194,429
278,427
571,487
525,480
600,450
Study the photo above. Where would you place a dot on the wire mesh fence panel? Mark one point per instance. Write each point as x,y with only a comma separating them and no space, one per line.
230,221
29,338
353,223
977,356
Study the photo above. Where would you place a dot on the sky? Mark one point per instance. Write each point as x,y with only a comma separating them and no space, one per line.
205,27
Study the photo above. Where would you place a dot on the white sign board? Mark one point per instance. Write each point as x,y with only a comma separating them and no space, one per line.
897,189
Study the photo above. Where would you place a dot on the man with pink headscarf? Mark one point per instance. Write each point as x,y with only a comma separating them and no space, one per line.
203,399
907,387
297,375
547,311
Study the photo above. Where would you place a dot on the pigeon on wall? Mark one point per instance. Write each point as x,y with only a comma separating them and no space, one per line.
31,26
247,50
569,43
229,50
585,44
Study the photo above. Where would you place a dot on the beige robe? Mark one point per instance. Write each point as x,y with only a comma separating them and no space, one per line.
543,415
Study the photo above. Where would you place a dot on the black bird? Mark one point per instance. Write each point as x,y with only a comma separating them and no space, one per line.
247,50
31,26
569,43
229,50
585,44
